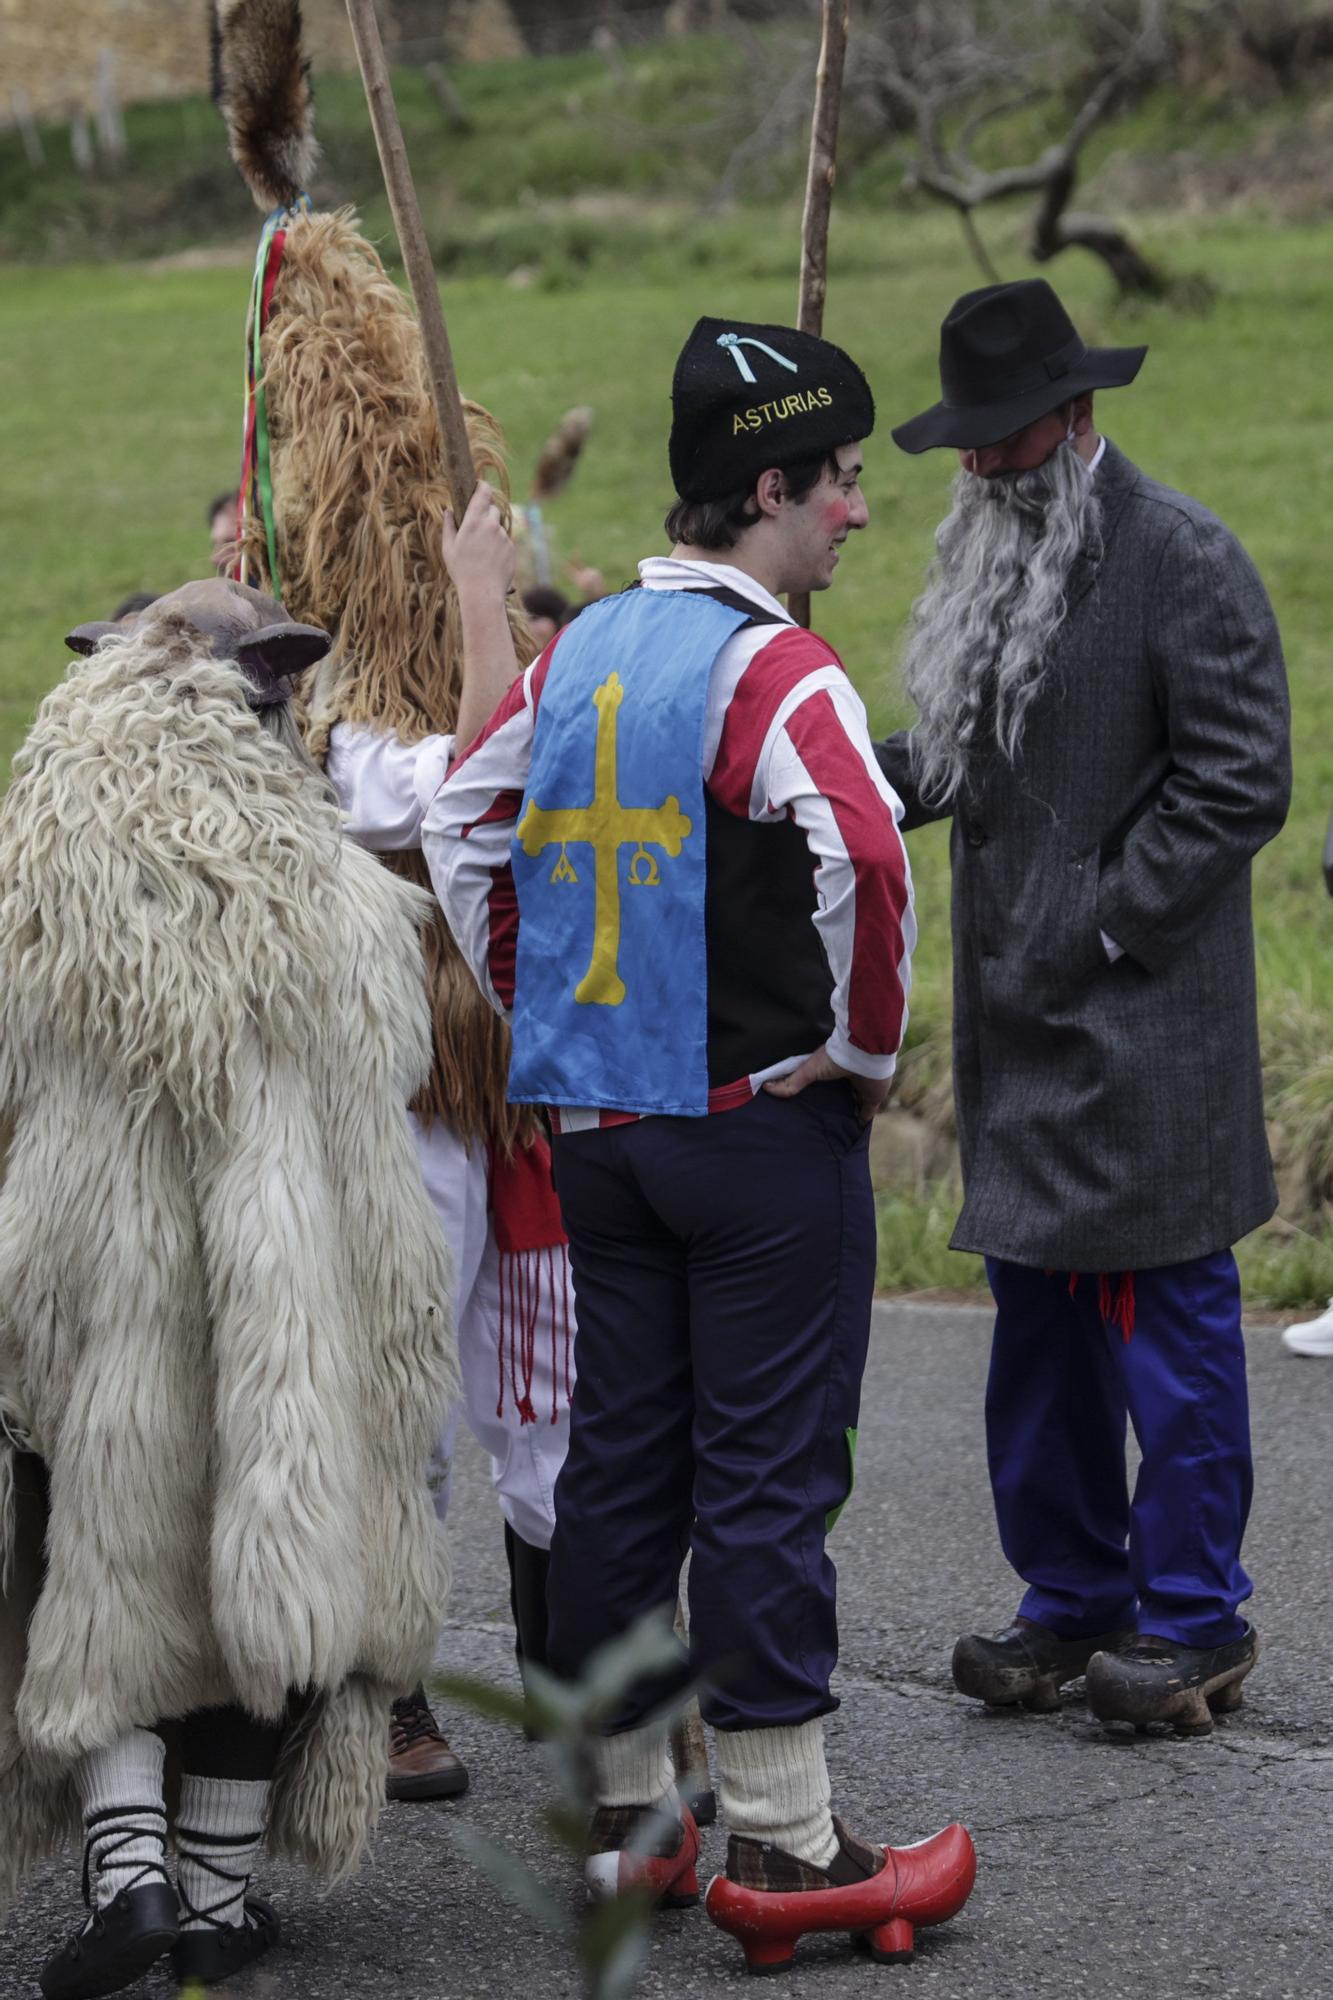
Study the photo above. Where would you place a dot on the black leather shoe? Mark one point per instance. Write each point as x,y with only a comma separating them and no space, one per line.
116,1946
1026,1665
1148,1679
204,1958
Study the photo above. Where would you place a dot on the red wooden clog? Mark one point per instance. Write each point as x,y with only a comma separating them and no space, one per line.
920,1885
669,1879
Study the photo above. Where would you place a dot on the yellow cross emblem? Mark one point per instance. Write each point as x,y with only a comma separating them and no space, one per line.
606,826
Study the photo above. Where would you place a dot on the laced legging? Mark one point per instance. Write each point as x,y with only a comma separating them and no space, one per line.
223,1743
131,1824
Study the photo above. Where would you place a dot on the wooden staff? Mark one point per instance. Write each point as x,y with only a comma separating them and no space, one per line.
416,252
820,176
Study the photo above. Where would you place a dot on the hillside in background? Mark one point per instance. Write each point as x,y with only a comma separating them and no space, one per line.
638,155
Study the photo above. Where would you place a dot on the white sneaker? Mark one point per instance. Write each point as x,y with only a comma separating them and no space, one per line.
1311,1336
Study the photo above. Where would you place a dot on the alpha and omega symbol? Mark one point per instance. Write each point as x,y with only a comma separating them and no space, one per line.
606,826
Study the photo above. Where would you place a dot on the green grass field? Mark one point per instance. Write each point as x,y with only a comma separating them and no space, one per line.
120,416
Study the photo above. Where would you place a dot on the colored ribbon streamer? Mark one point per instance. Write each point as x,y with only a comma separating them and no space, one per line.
256,465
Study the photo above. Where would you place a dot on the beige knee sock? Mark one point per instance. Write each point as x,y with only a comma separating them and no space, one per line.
772,1785
634,1768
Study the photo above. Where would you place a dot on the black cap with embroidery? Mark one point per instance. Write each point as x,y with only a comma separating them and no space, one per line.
746,397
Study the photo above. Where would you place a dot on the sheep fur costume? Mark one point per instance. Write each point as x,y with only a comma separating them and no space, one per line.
224,1317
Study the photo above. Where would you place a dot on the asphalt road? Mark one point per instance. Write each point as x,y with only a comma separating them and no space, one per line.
1151,1868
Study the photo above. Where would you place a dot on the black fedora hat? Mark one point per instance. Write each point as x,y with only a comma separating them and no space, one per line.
1008,355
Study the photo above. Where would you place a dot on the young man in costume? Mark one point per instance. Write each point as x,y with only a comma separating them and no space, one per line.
1103,712
343,494
671,858
225,1333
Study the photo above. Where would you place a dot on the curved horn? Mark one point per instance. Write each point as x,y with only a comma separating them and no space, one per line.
87,638
273,655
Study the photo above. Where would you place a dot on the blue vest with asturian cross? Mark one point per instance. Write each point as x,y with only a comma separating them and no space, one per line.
609,858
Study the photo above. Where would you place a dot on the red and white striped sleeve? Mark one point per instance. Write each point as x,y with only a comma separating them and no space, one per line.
467,833
795,742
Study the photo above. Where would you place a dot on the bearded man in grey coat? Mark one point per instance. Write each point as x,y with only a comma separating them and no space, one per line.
1103,712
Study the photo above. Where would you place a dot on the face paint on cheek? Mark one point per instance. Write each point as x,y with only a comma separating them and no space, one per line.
836,516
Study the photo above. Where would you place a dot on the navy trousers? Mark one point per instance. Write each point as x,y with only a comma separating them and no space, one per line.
1062,1382
724,1269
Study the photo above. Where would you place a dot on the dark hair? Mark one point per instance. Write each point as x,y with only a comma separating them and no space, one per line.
720,523
216,506
139,601
544,601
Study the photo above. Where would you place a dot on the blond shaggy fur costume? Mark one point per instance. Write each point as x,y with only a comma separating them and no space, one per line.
224,1317
359,496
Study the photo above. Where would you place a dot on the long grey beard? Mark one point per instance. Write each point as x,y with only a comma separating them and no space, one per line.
993,602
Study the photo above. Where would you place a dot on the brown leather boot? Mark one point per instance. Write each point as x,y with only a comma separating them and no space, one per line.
421,1764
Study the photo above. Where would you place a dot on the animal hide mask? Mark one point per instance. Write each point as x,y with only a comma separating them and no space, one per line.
240,624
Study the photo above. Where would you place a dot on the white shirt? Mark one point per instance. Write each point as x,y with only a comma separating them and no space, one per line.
385,785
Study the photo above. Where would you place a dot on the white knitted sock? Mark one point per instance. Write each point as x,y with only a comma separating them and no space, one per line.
124,1818
634,1768
772,1784
219,1832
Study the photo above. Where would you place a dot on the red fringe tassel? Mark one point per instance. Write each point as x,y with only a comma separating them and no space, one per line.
1115,1302
534,1292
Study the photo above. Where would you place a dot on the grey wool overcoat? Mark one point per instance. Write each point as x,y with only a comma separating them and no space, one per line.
1111,1114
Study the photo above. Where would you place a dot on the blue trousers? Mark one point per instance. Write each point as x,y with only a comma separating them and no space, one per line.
724,1268
1062,1383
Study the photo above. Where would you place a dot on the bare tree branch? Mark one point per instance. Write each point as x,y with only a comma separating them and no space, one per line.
1004,107
944,68
782,118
